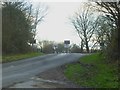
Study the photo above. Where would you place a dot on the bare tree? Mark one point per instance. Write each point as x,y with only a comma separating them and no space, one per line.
112,11
37,15
84,23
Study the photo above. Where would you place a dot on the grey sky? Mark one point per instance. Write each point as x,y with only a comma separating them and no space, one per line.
56,25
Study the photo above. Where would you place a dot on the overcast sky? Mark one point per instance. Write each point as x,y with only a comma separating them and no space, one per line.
56,25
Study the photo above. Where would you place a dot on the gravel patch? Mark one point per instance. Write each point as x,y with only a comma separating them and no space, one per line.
57,74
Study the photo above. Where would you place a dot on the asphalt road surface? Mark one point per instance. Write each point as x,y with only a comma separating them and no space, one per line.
23,70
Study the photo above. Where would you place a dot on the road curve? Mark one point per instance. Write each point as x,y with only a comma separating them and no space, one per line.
23,70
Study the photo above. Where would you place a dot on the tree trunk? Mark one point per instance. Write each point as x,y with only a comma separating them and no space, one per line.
82,46
86,43
87,47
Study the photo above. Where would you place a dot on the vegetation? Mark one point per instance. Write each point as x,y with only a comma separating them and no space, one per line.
98,70
51,46
19,22
75,49
93,71
47,46
15,57
102,29
15,28
112,13
85,24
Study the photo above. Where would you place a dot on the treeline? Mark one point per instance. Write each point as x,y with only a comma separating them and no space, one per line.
110,28
98,25
46,46
51,46
19,22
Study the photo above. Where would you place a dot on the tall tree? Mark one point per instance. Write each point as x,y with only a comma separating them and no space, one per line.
20,20
16,28
84,23
112,12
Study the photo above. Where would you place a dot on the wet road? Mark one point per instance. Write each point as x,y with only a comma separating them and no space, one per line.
23,70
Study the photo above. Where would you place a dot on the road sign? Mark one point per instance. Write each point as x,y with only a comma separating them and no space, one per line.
66,45
67,42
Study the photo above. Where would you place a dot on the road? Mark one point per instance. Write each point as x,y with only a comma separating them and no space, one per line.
23,70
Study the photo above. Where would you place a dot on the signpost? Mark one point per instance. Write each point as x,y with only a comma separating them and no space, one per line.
66,45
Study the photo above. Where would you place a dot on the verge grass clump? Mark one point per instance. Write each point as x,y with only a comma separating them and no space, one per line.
92,71
15,57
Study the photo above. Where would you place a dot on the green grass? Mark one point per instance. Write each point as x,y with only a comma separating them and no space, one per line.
15,57
93,72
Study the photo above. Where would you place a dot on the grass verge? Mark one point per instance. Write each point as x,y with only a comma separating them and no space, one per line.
92,71
15,57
